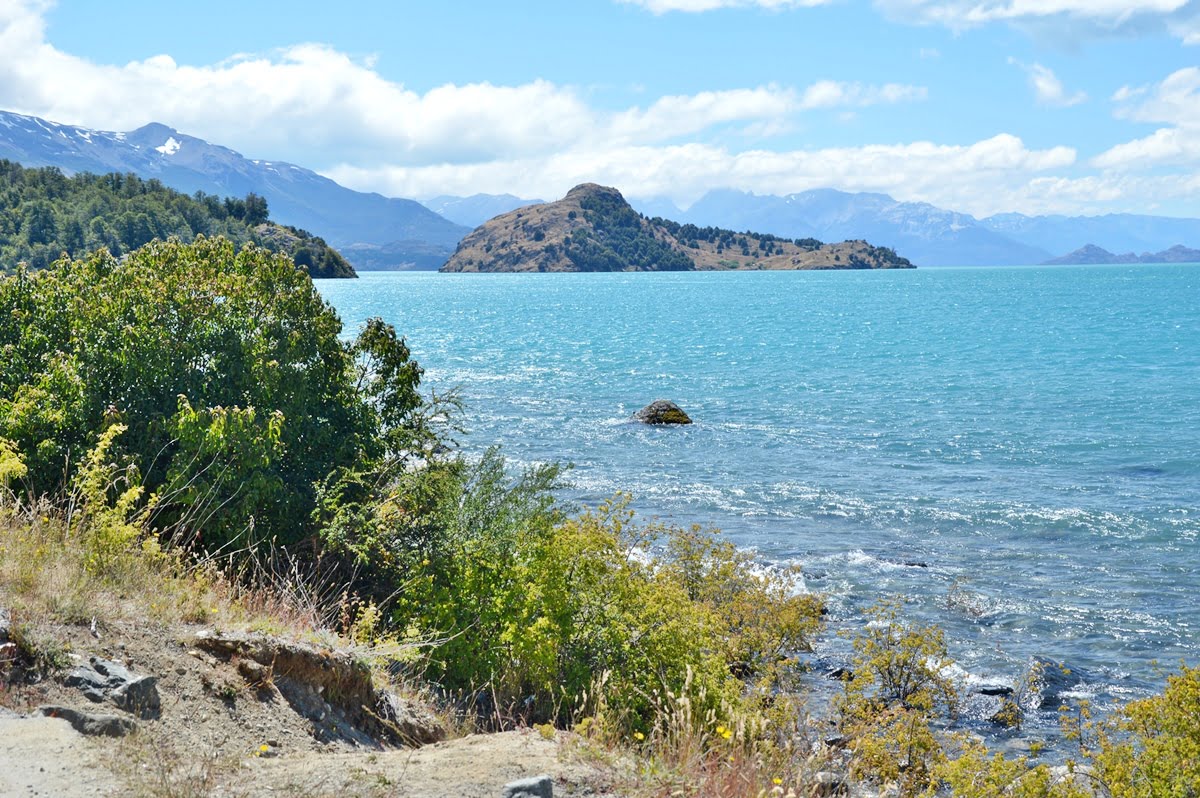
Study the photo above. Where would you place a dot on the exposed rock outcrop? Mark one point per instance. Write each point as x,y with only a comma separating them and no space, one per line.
329,687
662,411
102,680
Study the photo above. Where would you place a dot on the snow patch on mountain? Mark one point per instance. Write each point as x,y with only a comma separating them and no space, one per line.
170,147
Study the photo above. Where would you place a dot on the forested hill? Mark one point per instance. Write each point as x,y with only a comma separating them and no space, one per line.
594,229
44,213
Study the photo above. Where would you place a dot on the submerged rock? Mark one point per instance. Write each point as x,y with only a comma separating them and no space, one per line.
662,411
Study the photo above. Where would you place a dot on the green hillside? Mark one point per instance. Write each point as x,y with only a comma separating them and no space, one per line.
44,213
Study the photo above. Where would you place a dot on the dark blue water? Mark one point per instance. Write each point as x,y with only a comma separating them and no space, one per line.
1014,451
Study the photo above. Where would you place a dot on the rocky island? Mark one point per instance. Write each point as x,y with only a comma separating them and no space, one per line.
593,229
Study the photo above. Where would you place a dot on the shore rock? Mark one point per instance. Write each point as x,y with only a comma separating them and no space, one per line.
92,724
662,411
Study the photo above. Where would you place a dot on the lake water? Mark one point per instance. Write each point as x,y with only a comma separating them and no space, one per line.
1014,451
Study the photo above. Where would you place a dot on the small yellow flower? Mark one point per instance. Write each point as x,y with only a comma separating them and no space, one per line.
262,749
727,734
777,781
639,736
721,730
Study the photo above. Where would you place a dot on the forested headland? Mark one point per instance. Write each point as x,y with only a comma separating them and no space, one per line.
45,214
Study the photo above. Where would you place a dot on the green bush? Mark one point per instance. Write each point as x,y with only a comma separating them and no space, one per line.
898,687
228,371
537,609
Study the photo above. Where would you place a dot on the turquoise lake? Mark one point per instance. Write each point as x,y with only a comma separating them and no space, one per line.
1014,451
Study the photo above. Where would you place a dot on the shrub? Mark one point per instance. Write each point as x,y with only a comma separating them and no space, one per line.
227,370
897,688
1152,750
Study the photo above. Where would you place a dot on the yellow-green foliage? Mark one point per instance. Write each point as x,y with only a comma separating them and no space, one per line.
109,497
897,689
537,608
979,773
763,617
11,466
1153,749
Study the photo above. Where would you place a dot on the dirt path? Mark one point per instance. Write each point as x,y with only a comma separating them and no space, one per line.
46,757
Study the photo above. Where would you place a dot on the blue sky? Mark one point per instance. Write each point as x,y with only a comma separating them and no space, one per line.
1072,106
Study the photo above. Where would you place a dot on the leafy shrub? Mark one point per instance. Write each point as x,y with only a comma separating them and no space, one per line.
538,609
228,372
897,688
1152,750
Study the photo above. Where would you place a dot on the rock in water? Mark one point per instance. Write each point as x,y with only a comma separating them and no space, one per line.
662,412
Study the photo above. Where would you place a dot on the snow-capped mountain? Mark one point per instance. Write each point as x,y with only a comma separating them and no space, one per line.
295,195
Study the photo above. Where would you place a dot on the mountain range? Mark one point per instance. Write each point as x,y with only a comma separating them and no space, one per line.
926,234
1092,254
360,224
377,232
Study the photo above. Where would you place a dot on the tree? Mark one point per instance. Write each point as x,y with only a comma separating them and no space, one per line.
256,210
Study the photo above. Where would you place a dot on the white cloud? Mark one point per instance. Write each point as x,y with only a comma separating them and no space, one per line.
1070,18
1048,89
697,6
967,177
314,105
310,101
1176,102
834,94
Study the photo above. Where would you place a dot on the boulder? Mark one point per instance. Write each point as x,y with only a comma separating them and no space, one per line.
93,724
534,787
662,411
102,680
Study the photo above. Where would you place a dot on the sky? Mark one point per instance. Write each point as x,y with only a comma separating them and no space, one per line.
980,106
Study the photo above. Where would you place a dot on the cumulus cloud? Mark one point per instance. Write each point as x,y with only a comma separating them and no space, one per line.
944,174
311,99
696,6
1174,102
322,108
1048,89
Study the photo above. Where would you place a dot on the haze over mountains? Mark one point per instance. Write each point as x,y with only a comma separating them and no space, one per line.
376,232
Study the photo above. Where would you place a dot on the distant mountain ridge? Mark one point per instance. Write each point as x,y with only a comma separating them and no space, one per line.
476,209
593,228
926,234
1092,254
297,196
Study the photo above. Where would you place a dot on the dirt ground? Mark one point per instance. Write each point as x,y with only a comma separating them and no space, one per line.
219,735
